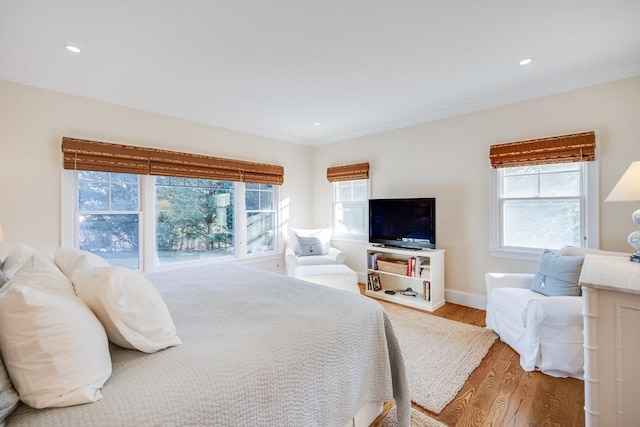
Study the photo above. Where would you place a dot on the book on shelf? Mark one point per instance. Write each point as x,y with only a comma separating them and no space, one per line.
426,290
373,260
420,264
373,282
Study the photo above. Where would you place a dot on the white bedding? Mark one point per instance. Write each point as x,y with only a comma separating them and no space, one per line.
257,348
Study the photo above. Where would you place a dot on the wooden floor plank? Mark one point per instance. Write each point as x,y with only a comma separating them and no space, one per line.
500,393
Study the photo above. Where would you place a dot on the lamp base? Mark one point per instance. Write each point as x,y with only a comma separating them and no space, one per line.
634,258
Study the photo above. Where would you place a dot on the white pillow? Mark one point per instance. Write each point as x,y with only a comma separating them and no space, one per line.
16,258
70,260
129,306
55,350
323,234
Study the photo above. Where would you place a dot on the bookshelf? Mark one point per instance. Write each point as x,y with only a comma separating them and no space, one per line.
399,269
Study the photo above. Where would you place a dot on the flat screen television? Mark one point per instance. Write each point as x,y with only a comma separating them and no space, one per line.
403,223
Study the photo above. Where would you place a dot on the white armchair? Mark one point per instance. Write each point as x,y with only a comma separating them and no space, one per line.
547,331
296,258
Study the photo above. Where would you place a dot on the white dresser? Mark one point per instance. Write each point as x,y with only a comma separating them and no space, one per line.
611,291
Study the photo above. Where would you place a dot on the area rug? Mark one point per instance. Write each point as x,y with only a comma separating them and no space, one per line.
418,419
439,354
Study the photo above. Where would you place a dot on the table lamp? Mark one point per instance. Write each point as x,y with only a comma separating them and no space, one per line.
628,190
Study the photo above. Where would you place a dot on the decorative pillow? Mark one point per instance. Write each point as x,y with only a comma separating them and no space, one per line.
8,396
129,306
322,234
70,260
309,246
16,258
55,350
557,275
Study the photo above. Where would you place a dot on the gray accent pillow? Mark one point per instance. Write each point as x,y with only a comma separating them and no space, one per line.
309,245
8,396
558,275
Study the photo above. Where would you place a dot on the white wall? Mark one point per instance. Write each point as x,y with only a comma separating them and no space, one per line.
449,159
33,122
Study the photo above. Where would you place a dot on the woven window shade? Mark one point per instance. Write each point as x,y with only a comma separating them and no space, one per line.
348,172
577,147
80,154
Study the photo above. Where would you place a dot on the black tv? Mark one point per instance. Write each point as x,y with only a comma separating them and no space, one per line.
403,223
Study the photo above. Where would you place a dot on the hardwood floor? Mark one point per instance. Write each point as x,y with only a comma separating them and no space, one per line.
500,393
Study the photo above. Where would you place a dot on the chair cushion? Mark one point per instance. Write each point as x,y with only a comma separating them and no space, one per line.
314,260
511,303
557,274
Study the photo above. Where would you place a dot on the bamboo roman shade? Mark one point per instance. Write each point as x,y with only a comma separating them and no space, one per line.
348,172
80,154
577,147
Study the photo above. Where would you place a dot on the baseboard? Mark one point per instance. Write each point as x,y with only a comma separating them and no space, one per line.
466,298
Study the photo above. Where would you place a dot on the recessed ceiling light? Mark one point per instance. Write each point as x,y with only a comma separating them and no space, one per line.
72,48
316,124
526,61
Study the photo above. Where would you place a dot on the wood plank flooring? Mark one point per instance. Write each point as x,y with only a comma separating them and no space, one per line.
500,393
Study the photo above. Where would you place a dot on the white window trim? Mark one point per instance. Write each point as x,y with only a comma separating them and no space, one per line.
592,218
148,258
354,238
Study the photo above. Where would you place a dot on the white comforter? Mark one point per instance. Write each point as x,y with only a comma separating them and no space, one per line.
259,349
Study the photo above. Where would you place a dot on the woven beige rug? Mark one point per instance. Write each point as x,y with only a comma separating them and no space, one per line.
418,419
439,354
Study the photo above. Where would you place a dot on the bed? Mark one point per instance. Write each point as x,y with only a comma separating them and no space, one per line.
258,348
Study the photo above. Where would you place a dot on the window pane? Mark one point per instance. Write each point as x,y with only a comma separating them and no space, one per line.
521,170
560,167
260,232
93,196
194,222
541,223
360,190
124,177
349,218
113,237
343,192
252,200
560,184
520,186
93,176
266,199
124,197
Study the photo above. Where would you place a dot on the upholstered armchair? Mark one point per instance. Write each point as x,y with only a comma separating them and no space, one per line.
310,247
546,330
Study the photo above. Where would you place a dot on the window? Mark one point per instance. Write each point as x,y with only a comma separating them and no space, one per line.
544,206
194,219
261,217
186,219
109,216
349,208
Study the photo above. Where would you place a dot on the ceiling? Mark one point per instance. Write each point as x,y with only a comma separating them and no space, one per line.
275,68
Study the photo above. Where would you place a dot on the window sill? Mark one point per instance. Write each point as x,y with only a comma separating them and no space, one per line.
522,255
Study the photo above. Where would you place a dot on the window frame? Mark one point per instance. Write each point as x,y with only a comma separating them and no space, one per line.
589,207
349,237
148,260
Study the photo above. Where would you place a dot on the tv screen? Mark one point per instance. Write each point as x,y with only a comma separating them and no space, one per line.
404,223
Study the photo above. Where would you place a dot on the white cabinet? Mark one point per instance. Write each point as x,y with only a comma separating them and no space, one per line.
400,269
611,292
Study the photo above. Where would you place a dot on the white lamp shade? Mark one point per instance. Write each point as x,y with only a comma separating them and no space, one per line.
628,188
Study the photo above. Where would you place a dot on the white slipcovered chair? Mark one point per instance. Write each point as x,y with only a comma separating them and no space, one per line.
296,256
547,331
